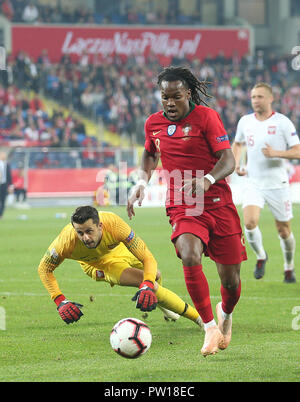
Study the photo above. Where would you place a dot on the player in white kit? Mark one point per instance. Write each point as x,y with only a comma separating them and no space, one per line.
270,138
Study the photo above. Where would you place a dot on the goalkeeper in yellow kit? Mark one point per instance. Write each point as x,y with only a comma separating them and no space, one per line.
108,250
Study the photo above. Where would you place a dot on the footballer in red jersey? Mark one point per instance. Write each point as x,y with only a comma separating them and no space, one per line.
196,157
188,146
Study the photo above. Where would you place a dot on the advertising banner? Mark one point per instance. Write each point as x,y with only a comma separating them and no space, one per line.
123,41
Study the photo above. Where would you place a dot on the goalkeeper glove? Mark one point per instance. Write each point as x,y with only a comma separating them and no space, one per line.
145,298
69,311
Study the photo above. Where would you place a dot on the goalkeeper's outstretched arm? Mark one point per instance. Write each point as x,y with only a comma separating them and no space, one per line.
68,311
45,271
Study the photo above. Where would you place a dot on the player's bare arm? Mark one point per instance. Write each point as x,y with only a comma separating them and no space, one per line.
225,165
292,153
148,165
237,149
223,168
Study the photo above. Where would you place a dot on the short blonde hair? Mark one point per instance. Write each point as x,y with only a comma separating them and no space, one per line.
264,85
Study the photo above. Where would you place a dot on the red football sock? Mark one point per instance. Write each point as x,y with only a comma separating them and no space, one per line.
198,289
230,297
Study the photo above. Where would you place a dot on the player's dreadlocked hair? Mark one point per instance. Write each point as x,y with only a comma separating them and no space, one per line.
184,75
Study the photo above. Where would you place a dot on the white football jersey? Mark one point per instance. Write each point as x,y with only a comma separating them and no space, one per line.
277,131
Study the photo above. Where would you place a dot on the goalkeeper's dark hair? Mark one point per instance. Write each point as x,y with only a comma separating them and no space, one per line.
84,213
190,81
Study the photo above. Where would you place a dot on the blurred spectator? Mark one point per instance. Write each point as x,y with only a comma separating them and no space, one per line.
36,104
5,181
19,186
73,141
43,61
7,9
30,13
18,7
89,155
31,132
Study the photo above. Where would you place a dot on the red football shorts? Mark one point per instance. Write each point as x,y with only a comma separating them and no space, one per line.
219,229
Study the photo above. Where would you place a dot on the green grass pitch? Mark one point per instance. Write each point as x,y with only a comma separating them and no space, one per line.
35,344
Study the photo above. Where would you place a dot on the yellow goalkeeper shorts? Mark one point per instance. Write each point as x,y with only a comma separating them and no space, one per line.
111,266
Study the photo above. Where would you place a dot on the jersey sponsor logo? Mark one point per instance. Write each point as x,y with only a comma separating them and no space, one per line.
130,237
222,138
295,133
171,129
272,130
156,132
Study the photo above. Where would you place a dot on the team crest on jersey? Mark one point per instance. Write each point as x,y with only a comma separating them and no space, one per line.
272,130
171,129
186,131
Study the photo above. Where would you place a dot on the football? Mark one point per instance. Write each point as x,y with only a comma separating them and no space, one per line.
130,338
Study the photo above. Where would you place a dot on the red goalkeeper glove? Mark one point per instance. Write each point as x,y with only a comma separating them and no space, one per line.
145,298
69,311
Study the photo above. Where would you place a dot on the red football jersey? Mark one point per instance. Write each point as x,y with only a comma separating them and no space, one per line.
187,149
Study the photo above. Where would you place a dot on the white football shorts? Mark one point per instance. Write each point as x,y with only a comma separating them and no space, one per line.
278,200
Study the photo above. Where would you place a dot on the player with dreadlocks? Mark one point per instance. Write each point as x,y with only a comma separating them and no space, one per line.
196,156
185,75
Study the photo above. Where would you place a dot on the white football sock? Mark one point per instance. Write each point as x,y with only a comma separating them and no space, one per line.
254,238
288,247
226,316
209,324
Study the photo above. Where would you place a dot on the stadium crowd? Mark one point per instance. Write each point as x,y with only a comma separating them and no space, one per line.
118,12
114,12
122,94
25,118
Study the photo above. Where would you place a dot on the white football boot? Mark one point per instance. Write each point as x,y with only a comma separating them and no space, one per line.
168,314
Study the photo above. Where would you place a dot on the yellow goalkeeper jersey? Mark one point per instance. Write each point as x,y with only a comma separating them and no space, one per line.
118,240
